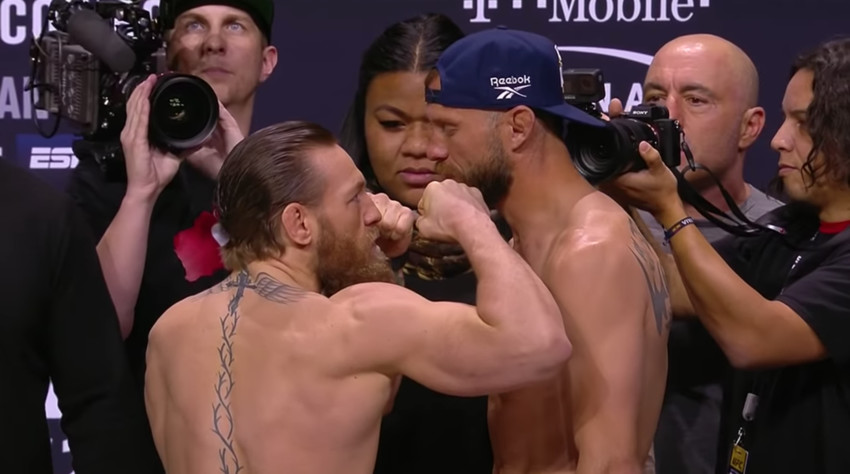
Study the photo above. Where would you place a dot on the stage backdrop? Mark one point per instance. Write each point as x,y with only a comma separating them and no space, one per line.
320,43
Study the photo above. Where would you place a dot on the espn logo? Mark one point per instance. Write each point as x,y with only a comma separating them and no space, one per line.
52,158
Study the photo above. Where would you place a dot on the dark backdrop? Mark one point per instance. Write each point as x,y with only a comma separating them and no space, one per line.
320,43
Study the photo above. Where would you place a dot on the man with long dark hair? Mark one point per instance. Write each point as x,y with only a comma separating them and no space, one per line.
778,303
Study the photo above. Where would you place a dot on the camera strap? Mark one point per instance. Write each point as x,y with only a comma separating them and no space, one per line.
737,223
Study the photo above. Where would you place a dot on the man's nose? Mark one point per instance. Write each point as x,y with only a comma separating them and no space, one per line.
213,42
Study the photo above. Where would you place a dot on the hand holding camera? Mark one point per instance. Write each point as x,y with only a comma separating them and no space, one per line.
149,169
209,157
650,189
603,154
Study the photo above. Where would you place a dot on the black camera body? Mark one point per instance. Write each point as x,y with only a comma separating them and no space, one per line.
87,68
601,154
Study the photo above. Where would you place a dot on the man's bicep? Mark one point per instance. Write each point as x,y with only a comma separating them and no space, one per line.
445,346
822,300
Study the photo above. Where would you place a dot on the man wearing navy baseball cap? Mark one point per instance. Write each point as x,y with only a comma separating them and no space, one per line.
496,103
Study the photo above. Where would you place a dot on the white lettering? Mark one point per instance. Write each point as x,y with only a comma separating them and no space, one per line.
11,99
10,34
626,10
606,101
53,158
510,81
648,9
567,8
609,11
150,5
662,14
621,11
39,11
635,96
680,4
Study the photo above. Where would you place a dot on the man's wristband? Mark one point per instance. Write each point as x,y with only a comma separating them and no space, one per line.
675,228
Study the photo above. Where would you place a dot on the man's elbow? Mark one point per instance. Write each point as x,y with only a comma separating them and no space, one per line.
550,353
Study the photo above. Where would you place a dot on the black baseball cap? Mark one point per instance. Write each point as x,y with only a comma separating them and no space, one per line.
261,11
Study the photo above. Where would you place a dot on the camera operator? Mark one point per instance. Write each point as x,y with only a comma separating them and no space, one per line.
711,87
599,414
166,198
778,303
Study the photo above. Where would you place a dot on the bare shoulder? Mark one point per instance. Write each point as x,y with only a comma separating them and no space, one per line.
603,249
376,298
598,227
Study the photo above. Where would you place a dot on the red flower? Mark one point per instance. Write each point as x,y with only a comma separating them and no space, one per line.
197,249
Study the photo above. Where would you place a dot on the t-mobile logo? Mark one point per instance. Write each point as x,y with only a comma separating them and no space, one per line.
599,11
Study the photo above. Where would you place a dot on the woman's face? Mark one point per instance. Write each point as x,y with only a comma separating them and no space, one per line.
397,135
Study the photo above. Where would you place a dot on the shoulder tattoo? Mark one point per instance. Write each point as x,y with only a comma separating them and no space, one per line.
655,279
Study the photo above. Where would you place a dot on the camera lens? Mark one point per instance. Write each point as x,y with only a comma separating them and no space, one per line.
602,154
630,133
184,112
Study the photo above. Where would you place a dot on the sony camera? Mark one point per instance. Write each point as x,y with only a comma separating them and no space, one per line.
604,153
86,69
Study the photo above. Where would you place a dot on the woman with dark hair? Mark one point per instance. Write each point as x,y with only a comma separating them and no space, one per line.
386,133
778,302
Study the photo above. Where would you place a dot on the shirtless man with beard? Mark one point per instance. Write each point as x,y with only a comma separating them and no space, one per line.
288,365
497,107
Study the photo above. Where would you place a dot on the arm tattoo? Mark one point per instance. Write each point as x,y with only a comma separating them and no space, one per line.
655,279
271,289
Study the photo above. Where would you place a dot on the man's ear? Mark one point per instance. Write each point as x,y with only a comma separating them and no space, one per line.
297,224
521,121
269,62
751,127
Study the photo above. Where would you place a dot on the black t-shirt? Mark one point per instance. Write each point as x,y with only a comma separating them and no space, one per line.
802,421
164,281
57,323
429,432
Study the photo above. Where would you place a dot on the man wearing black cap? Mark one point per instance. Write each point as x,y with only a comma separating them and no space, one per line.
496,102
152,228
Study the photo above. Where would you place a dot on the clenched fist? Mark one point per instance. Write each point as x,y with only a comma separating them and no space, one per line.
447,207
395,227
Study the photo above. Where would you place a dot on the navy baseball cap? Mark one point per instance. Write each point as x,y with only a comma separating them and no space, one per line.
502,68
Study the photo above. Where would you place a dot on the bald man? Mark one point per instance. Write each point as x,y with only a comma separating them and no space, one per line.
711,86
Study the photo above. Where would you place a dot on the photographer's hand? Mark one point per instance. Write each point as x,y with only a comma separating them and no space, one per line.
209,157
615,108
149,169
654,189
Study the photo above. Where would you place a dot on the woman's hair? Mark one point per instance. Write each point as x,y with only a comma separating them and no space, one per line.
828,115
412,45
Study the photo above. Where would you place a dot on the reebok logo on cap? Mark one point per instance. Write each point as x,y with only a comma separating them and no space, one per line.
510,86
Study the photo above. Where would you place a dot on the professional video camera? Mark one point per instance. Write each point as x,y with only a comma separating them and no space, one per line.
601,154
87,68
